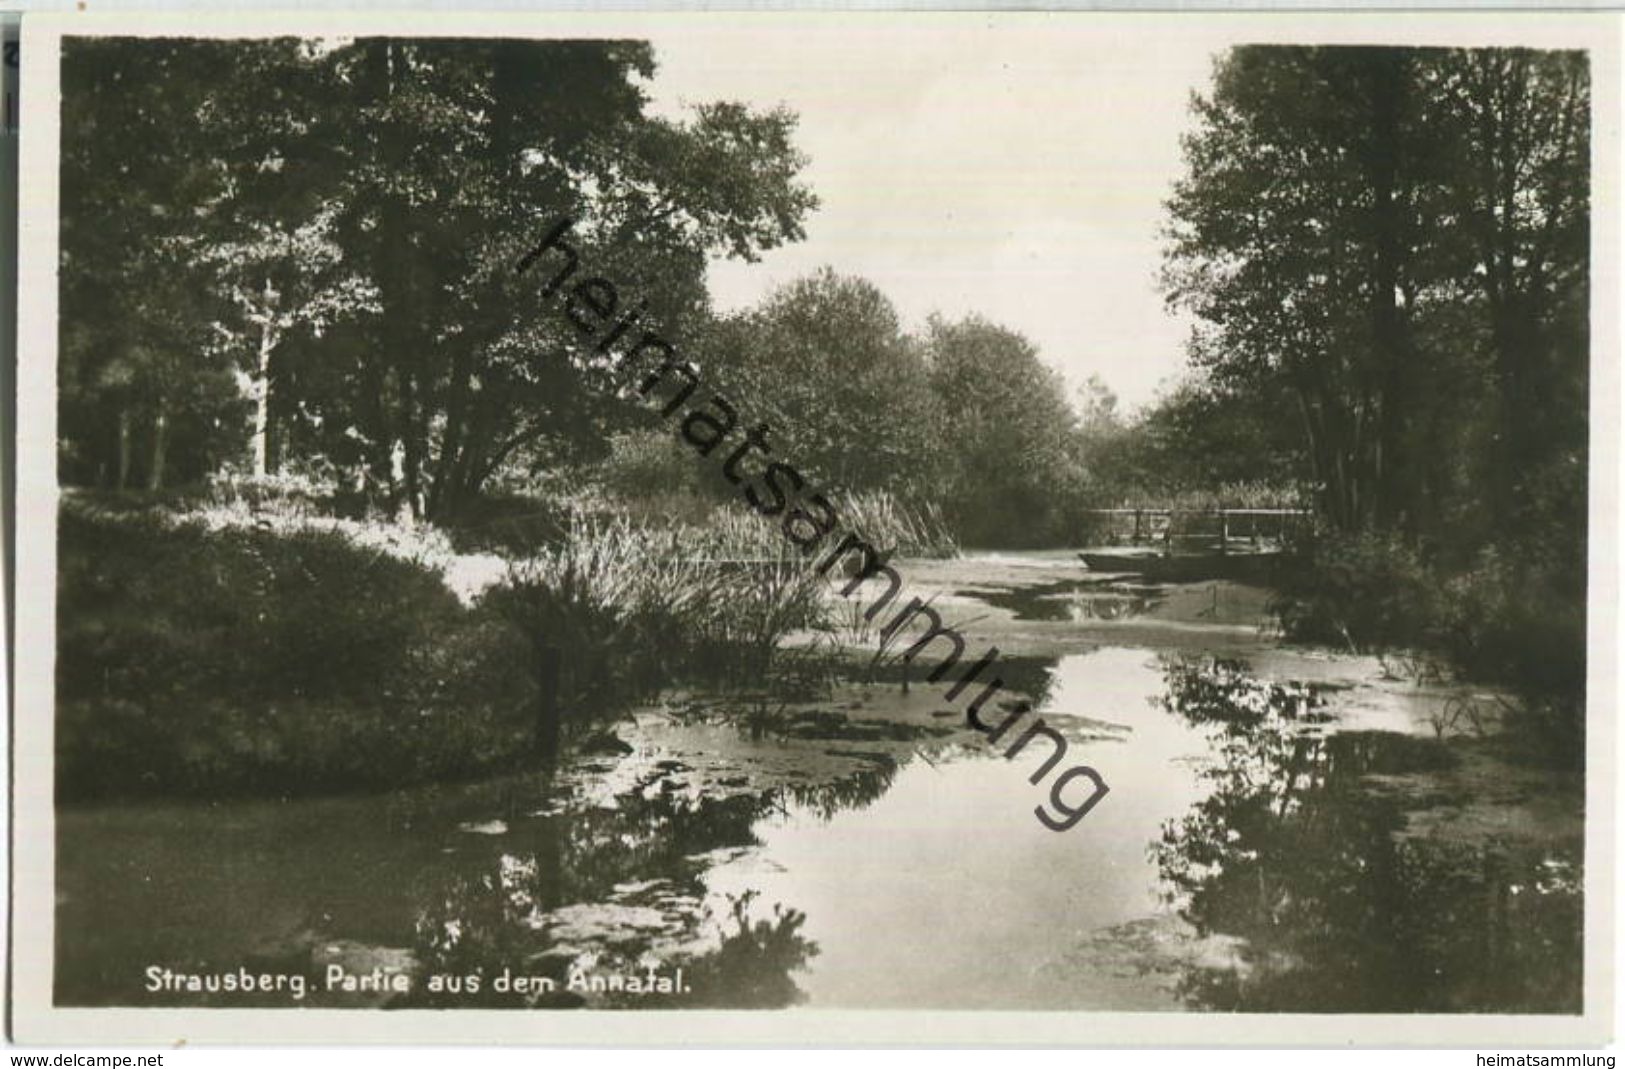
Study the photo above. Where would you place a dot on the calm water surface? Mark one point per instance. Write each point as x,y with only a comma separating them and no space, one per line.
1251,855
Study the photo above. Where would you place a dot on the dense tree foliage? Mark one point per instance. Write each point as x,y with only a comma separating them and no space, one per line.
147,182
1394,240
1196,441
1394,243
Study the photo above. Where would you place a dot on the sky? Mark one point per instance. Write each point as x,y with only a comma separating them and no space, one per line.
1017,173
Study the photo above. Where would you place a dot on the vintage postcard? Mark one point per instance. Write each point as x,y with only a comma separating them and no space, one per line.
943,528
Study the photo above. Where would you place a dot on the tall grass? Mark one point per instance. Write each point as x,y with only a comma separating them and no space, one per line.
720,597
896,527
891,524
740,641
611,601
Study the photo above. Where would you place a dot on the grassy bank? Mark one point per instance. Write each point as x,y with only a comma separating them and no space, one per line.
206,653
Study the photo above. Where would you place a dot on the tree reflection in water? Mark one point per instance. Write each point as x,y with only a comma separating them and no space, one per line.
1339,911
616,890
855,791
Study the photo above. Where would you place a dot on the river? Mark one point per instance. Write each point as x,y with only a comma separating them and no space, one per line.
1286,830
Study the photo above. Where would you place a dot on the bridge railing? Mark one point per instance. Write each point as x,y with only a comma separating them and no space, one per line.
1216,526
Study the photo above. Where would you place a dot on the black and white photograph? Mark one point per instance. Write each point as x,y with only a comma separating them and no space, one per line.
1087,517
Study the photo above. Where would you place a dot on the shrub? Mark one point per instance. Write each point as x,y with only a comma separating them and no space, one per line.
193,660
1367,592
891,524
508,524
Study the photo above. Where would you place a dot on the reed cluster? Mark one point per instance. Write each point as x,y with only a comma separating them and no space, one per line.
623,609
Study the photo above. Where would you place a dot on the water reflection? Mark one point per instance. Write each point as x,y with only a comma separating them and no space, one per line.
1293,852
617,890
442,883
856,791
947,891
507,904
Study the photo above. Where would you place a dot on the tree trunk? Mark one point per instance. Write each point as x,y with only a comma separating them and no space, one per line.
475,444
1516,338
399,303
413,437
444,494
123,448
262,404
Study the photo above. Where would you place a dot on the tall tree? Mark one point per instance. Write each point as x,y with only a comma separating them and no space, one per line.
462,152
140,171
1011,436
825,361
1194,438
1292,238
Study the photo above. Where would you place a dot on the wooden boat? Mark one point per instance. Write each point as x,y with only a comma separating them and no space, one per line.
1183,567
